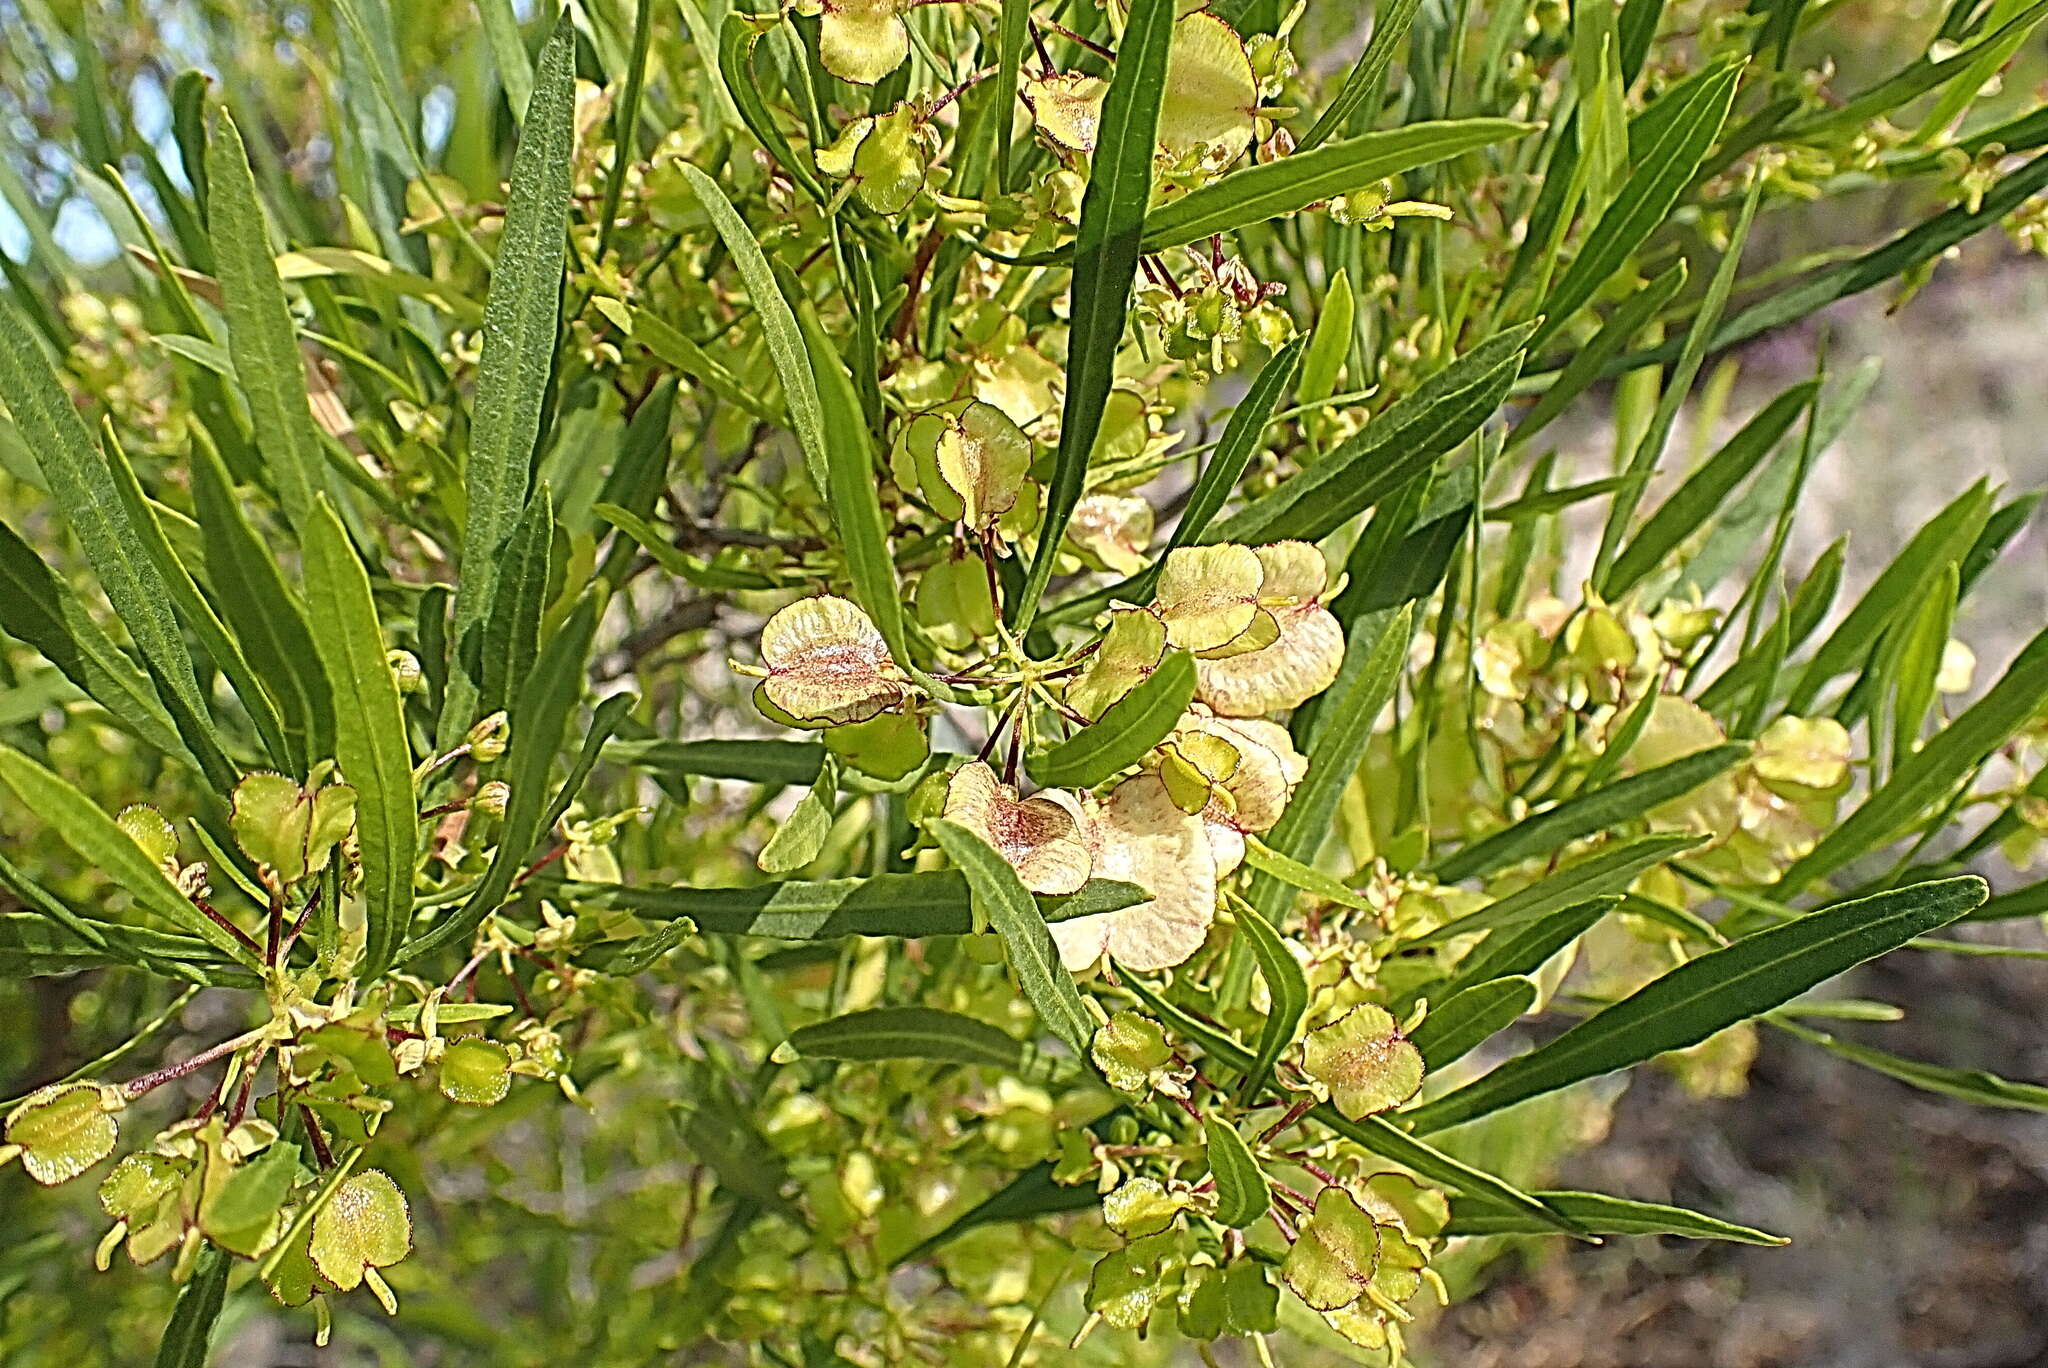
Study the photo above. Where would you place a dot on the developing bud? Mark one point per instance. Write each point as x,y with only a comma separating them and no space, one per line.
405,669
487,739
492,798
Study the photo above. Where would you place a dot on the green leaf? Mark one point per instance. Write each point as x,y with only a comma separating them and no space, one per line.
906,1033
252,1193
1124,734
1286,990
1676,386
1610,869
1273,189
781,763
1589,362
736,68
1693,503
509,641
1902,255
852,488
1242,437
83,486
1710,993
686,356
1967,1085
187,1341
539,718
1389,27
1602,1215
1931,772
262,339
103,846
369,731
1388,452
41,610
1690,118
1527,947
1623,800
1029,1195
1470,1016
1943,540
929,903
35,945
1380,643
1297,875
508,53
1106,247
244,581
1241,1192
194,608
1003,899
521,319
801,835
778,324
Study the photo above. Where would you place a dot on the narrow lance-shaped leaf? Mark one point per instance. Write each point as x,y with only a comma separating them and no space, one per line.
1465,1019
1242,1194
1554,828
1937,767
1709,994
1381,643
38,608
1600,1214
262,339
1704,491
1525,948
539,717
1942,540
1901,255
1105,262
1966,1085
1122,736
1389,26
267,616
1009,907
1608,870
195,609
1276,188
1587,363
520,324
906,1033
1286,992
852,488
778,323
79,479
1663,169
928,903
1391,450
509,641
369,732
1677,385
188,1339
78,822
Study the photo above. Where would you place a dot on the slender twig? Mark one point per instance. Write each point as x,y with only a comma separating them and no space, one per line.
247,941
316,1137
